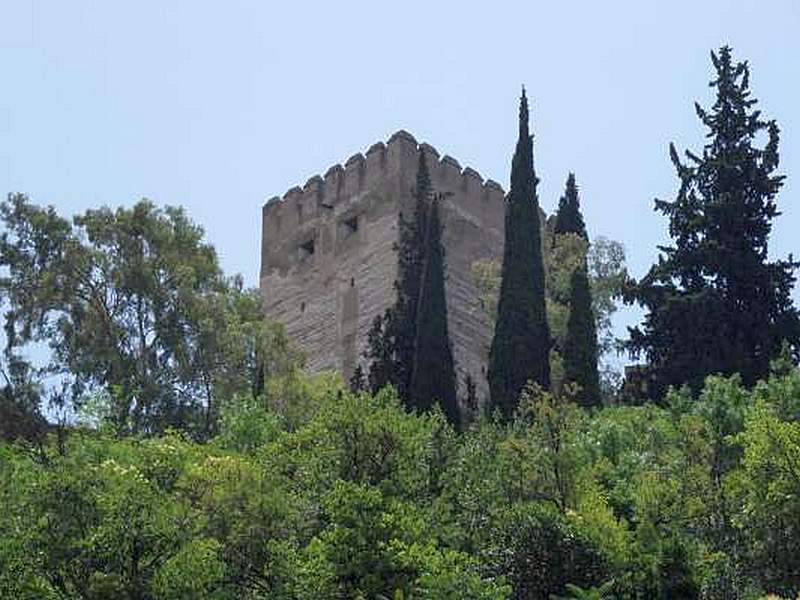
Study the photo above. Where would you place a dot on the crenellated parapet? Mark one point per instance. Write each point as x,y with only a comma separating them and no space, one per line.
395,160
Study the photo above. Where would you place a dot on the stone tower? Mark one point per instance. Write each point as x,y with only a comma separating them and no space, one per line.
328,259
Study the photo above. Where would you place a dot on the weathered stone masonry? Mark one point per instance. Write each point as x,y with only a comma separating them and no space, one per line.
328,259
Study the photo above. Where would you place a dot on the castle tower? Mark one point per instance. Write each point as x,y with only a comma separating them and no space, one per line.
328,259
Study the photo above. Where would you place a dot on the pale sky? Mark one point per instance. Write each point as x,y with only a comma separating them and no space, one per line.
218,106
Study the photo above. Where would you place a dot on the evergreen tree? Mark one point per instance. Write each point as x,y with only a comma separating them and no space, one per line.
580,345
714,302
520,348
410,263
433,373
358,381
580,351
381,351
569,218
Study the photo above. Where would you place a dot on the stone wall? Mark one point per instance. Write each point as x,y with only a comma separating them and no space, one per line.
328,261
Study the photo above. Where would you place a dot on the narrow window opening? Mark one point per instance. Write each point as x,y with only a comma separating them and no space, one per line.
306,249
352,282
348,227
302,307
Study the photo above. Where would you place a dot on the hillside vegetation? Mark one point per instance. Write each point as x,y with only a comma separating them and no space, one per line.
342,495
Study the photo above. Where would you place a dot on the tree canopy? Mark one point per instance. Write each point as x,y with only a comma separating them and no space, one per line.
130,302
715,302
520,350
320,492
568,217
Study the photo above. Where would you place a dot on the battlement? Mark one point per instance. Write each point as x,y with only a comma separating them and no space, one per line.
398,157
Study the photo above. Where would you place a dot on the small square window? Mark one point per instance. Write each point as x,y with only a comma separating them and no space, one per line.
306,249
348,227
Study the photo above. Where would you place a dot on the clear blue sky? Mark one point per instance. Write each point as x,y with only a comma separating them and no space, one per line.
218,106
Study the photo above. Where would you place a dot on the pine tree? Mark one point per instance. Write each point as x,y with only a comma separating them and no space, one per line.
433,373
714,302
580,344
569,218
520,348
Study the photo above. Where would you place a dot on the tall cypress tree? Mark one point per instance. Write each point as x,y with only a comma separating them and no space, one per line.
715,304
410,256
569,218
433,373
409,346
580,344
391,340
520,350
580,351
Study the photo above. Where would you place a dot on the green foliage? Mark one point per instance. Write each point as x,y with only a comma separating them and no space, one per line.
714,303
602,592
769,489
550,425
353,496
569,218
607,275
246,426
563,254
433,377
580,343
381,351
194,573
96,525
20,397
132,302
541,552
520,350
412,254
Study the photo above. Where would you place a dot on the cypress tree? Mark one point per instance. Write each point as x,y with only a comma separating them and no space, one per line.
410,263
433,373
714,303
391,340
580,351
409,346
520,350
380,352
580,344
569,218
